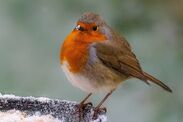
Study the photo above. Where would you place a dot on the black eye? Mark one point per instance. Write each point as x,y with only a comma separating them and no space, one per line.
78,27
95,28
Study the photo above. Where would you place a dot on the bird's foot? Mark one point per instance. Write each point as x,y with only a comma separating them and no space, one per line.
97,111
81,107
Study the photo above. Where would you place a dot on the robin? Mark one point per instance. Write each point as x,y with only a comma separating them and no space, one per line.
96,58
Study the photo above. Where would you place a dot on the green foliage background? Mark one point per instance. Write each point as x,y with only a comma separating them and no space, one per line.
31,32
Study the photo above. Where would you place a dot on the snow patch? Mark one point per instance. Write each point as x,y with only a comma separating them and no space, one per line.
17,116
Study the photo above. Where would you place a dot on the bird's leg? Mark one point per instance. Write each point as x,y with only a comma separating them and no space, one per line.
84,100
97,109
82,105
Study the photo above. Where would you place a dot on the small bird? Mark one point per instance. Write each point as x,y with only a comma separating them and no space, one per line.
95,58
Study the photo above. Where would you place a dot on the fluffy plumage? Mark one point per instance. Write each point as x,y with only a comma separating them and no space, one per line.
99,59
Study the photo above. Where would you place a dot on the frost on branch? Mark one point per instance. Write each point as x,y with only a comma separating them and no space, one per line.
30,109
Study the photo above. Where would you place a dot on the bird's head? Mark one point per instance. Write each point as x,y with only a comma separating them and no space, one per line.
90,28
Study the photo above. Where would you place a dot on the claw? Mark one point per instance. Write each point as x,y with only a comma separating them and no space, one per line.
89,104
81,107
97,111
84,105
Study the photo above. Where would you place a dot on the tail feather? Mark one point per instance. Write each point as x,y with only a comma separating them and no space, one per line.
156,81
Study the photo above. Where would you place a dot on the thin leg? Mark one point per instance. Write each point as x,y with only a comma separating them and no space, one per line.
98,109
104,99
82,105
83,101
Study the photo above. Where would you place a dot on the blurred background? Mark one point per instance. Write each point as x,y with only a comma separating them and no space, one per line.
31,32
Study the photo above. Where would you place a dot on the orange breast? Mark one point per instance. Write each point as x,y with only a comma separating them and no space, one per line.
75,49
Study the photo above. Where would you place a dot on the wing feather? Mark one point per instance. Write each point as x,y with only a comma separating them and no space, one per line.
117,54
120,59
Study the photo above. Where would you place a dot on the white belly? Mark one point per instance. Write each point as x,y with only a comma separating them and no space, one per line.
78,80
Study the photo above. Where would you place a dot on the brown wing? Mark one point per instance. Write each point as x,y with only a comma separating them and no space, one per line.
118,56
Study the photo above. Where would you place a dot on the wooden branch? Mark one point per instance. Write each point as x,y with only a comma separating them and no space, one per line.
56,110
